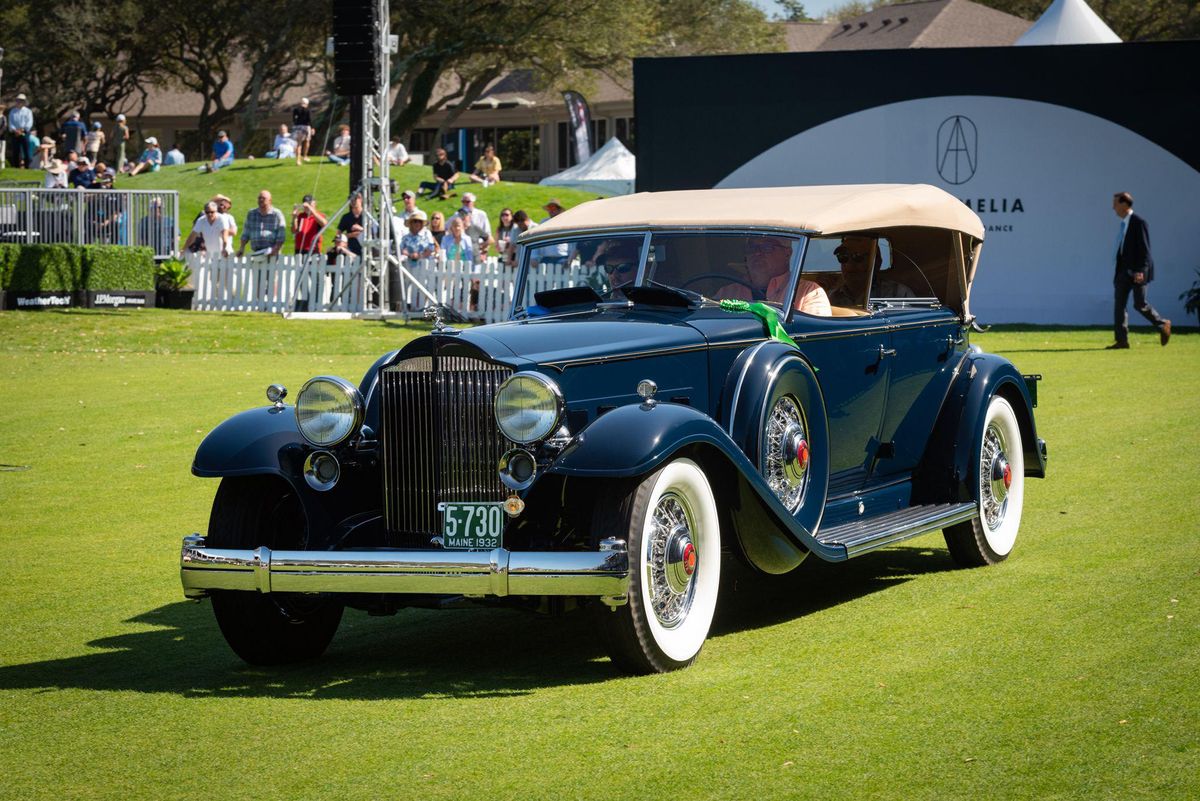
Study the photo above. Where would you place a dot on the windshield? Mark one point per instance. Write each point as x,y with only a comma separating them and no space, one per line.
713,265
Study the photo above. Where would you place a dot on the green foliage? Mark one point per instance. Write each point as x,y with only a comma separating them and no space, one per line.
1191,296
69,268
793,11
46,268
172,275
118,267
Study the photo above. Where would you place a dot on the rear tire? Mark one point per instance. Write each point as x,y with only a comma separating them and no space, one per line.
990,537
270,628
674,540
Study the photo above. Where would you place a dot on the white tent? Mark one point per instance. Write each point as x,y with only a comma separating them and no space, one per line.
610,171
1068,22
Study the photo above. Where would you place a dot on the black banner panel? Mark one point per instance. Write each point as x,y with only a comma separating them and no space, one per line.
1034,139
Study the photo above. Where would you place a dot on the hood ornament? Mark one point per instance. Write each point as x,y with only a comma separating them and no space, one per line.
435,312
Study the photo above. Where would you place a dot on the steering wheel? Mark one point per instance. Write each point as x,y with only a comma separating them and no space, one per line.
729,279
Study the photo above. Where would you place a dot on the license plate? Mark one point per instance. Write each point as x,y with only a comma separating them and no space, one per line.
474,526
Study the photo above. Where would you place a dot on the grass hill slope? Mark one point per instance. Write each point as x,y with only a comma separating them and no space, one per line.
327,182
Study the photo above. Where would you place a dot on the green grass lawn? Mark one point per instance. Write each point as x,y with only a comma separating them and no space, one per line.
1069,671
328,183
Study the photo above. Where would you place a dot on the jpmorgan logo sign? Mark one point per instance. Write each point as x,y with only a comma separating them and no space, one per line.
957,149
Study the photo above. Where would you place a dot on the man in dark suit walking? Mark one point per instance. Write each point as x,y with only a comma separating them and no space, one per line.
1135,269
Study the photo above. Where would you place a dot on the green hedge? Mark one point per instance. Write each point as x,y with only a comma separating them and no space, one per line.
115,267
55,268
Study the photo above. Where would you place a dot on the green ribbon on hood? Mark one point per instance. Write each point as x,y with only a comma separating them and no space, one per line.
768,314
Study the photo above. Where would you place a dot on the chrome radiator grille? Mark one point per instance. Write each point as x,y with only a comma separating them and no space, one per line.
439,439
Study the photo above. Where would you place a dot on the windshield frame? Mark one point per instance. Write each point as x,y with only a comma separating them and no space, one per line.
526,247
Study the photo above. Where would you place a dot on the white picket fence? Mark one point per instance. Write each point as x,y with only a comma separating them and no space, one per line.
479,291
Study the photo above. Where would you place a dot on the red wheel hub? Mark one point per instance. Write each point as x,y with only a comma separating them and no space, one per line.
689,559
1007,477
802,454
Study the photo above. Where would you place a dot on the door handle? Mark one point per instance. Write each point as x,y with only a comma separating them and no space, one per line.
885,352
953,341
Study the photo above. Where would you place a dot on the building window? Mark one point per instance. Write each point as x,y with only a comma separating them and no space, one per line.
625,132
517,148
566,153
421,141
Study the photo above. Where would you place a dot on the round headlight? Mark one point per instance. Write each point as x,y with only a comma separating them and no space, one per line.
328,410
528,407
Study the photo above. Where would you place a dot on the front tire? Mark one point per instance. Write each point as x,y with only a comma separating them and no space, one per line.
674,540
1000,493
270,628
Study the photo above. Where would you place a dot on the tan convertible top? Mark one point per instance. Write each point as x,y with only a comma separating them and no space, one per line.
819,209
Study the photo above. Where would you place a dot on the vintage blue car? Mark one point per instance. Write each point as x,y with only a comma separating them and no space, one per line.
686,377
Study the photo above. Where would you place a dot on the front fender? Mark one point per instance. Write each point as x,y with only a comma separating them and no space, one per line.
255,442
636,439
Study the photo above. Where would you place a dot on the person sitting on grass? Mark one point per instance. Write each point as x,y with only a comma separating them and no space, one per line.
285,145
151,158
444,176
397,155
222,153
340,154
487,169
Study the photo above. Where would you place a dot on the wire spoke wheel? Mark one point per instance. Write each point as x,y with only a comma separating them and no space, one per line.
786,457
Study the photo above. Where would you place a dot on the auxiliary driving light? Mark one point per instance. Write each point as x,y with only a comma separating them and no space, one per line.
322,471
517,469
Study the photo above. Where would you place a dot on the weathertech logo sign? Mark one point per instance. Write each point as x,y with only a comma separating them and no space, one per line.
957,149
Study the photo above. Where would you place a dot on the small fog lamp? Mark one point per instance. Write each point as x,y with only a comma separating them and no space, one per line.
517,469
322,471
276,393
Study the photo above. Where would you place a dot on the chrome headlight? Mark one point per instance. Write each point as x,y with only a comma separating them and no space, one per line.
528,407
328,410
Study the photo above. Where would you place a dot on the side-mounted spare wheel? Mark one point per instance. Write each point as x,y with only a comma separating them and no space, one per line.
670,525
999,493
273,628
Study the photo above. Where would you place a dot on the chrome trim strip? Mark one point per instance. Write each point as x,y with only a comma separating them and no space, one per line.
567,233
563,364
498,573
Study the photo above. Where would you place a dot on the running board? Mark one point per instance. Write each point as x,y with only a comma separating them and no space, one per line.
860,536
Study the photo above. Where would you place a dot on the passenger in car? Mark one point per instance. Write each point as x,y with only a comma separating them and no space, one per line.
856,256
768,260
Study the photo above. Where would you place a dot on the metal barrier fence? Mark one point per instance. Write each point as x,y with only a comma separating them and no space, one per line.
481,292
137,217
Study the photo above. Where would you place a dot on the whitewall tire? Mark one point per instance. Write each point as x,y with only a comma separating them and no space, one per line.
674,538
1000,492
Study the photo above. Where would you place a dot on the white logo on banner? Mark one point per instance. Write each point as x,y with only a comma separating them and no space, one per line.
1043,189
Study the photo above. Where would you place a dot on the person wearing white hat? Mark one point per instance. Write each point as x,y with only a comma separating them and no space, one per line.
56,175
151,158
44,155
302,130
119,137
418,243
20,123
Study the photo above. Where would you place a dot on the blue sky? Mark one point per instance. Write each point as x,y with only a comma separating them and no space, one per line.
815,8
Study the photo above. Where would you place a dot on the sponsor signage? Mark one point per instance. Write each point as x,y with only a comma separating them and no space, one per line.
92,299
1034,140
115,299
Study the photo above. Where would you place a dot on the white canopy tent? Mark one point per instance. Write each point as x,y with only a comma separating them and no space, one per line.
610,171
1068,22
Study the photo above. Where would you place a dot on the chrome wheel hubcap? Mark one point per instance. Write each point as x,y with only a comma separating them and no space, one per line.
787,453
671,560
995,477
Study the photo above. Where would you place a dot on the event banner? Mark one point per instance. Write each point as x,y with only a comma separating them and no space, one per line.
1037,157
580,125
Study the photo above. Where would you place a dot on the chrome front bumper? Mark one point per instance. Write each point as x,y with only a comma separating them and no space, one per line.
603,573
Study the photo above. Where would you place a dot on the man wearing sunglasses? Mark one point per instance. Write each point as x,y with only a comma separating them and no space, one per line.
857,255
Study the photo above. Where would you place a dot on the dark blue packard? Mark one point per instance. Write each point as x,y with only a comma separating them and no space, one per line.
624,432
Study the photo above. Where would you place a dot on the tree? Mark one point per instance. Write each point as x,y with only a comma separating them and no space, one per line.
71,57
793,11
450,51
240,58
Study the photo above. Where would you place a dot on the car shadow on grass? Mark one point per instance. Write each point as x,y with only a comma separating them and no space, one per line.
419,654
